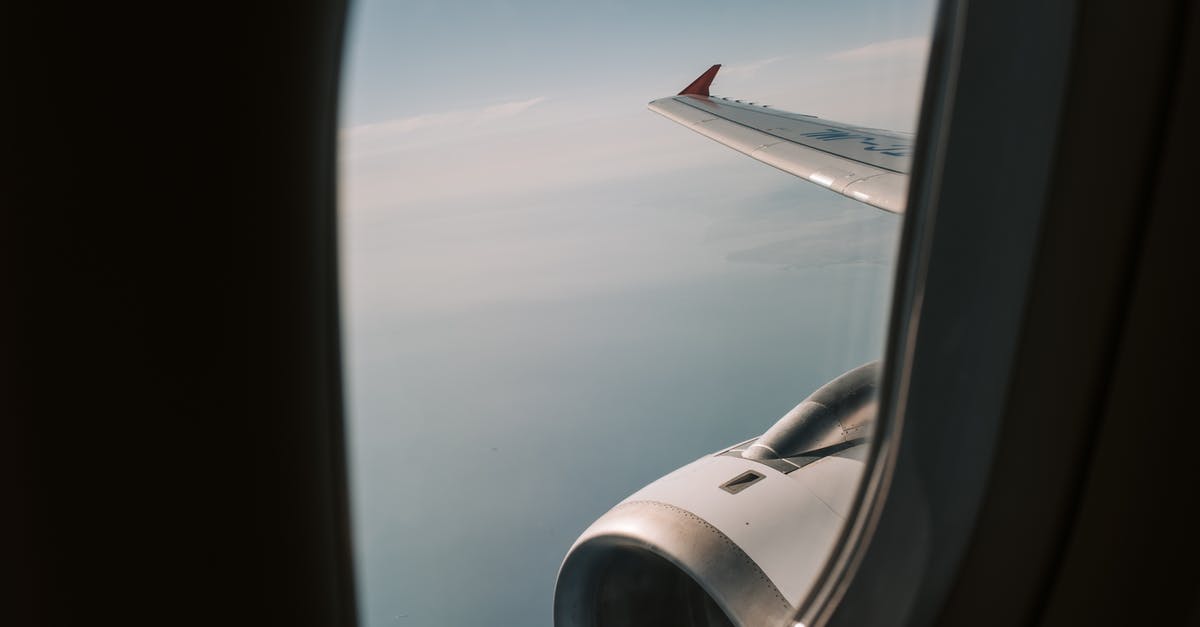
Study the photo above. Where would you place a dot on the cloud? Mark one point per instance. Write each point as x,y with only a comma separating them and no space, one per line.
407,173
424,121
748,69
908,47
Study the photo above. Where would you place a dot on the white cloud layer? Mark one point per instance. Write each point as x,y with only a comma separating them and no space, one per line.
424,121
892,48
748,69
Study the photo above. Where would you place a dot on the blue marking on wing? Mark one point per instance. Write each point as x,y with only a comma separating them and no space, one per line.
894,149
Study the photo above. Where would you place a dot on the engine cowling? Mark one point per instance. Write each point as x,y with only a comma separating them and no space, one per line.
734,538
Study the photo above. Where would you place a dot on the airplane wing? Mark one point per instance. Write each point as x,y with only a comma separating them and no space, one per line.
866,164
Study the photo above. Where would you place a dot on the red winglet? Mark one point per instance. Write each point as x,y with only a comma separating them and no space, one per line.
699,87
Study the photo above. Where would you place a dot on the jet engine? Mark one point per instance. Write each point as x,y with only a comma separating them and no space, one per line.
735,538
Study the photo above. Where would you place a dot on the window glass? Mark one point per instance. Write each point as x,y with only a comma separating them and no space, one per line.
552,296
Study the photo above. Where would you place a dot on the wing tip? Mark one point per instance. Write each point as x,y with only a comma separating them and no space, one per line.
699,87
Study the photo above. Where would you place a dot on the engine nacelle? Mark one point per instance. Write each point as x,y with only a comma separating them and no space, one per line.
734,538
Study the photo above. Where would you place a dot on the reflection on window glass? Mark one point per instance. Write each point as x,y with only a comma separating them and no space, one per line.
553,297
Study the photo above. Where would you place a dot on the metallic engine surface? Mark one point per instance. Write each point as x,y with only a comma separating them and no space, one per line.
755,552
733,538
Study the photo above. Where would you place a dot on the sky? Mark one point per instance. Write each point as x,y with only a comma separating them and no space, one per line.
552,296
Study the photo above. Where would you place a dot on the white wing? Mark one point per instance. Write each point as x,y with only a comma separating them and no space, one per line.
866,164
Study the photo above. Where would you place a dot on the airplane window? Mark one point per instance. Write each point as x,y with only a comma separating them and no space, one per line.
554,296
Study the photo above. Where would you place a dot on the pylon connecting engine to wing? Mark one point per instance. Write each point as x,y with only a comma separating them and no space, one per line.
736,537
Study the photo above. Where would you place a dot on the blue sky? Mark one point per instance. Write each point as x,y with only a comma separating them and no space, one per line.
407,58
553,296
495,97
